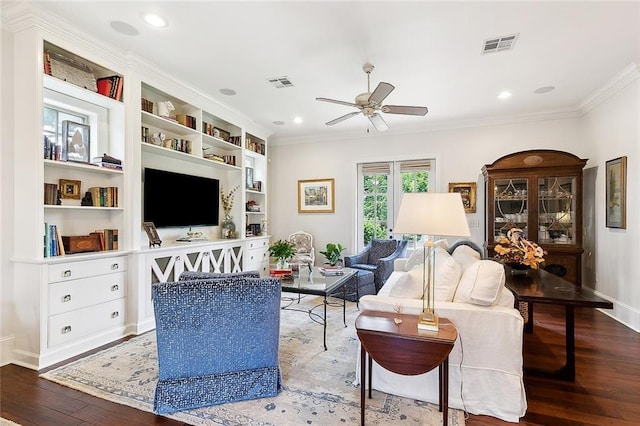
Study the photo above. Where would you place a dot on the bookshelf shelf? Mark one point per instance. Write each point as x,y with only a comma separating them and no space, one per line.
82,167
83,208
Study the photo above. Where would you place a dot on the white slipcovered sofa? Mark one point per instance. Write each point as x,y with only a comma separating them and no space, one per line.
485,365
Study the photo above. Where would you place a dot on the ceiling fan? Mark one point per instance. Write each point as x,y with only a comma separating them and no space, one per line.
369,103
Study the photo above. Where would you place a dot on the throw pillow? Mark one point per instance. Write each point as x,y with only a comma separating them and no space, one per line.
481,283
416,256
465,256
380,249
409,285
447,276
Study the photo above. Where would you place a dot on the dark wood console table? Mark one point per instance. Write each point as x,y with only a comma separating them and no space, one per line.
539,286
403,349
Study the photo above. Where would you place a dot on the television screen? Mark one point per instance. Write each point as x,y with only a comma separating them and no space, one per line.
176,199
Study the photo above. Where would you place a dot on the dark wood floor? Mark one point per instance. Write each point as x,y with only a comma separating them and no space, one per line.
606,390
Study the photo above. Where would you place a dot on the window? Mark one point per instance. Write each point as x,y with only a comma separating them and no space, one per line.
380,189
52,122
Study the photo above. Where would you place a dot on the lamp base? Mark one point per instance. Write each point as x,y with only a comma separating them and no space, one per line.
428,321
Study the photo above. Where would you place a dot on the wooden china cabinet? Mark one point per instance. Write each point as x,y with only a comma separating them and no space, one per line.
540,192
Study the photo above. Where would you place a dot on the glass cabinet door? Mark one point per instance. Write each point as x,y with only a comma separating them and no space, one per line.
556,210
510,210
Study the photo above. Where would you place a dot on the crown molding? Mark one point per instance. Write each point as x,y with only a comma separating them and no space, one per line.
433,126
625,77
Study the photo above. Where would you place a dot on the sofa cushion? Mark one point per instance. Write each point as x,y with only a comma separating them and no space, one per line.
447,276
465,256
416,257
481,283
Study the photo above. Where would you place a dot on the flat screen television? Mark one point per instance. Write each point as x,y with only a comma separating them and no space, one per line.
175,199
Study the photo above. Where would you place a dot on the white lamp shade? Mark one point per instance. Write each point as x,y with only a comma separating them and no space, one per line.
430,213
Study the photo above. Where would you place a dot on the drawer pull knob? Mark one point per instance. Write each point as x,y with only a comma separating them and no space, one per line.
115,314
66,298
115,287
67,273
66,329
115,266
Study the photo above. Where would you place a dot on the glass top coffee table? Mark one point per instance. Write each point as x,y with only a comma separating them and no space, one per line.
313,282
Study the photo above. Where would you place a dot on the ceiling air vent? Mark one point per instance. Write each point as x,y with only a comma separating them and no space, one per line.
281,82
499,44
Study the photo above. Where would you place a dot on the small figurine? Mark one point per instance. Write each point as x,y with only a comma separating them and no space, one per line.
165,108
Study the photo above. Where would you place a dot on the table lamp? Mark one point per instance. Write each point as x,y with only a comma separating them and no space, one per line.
431,214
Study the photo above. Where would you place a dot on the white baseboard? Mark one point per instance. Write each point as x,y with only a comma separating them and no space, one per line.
623,313
6,350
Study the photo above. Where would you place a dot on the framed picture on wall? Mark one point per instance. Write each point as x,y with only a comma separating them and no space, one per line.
467,191
616,193
316,196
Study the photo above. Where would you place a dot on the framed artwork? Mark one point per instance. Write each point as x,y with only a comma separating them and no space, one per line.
616,193
70,189
76,141
152,234
316,196
249,176
467,191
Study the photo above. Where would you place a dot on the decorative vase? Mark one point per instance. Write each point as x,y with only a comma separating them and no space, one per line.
518,268
228,227
282,264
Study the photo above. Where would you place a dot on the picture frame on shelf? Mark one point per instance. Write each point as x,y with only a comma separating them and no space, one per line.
316,196
70,189
77,141
152,234
249,176
616,193
467,191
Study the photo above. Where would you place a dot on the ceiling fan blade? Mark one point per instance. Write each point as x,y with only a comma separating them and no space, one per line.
381,92
378,122
333,101
344,117
407,110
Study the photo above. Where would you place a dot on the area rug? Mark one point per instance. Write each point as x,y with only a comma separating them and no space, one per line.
318,384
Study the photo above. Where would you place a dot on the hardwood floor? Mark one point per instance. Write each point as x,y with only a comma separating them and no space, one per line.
606,390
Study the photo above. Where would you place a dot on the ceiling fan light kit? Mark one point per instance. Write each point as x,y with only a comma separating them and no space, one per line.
369,103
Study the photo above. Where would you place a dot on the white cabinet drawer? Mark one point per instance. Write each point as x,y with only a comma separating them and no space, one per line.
257,255
75,294
88,268
73,325
258,243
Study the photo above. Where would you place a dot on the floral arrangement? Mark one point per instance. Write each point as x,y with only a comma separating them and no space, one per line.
515,248
227,200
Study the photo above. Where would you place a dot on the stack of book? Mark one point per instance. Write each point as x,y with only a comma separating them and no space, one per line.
285,273
331,270
52,241
51,194
104,196
108,162
108,238
110,86
186,120
51,150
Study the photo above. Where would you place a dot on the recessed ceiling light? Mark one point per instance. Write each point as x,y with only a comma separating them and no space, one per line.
154,20
278,123
124,28
297,120
544,89
504,95
228,92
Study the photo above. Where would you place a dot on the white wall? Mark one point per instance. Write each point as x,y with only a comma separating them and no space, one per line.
6,194
460,155
609,131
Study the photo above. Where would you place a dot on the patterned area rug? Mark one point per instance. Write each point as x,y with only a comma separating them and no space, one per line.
318,384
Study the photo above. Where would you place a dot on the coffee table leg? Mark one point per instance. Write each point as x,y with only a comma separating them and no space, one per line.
344,304
324,323
370,376
363,381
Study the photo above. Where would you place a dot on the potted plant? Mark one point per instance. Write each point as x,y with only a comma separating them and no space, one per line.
332,253
281,250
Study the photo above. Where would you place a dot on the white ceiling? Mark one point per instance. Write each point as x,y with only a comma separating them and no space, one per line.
431,52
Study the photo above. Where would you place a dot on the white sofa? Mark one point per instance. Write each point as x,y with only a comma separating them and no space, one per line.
485,365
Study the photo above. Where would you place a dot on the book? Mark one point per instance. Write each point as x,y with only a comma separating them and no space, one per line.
331,271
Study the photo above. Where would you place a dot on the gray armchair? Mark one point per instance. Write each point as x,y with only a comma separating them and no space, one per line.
378,257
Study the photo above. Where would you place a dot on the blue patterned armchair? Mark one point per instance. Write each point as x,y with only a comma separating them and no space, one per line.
217,340
378,257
